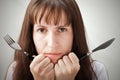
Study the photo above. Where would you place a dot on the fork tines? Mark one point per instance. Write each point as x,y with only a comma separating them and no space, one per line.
8,39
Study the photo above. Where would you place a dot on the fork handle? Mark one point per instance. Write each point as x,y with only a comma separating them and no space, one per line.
28,55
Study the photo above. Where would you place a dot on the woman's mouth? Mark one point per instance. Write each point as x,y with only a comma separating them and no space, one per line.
53,56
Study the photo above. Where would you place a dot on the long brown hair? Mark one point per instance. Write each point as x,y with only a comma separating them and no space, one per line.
36,10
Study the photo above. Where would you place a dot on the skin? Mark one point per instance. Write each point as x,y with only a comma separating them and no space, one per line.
53,44
67,67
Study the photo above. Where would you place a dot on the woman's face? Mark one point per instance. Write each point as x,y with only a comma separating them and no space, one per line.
53,41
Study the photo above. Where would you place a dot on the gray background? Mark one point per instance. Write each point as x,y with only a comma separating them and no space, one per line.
102,22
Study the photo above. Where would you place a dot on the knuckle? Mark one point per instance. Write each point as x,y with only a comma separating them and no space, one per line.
64,57
35,70
31,67
70,70
78,66
51,65
48,60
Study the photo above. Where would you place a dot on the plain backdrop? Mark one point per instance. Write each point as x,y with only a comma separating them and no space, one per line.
101,19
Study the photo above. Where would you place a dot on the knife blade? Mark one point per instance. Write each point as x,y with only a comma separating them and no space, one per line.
100,47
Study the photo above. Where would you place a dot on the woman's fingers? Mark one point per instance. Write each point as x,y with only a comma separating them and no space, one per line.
42,65
67,67
73,58
75,62
42,68
48,68
61,66
37,59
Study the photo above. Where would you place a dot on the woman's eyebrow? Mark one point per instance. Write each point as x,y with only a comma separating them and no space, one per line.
39,25
63,25
43,26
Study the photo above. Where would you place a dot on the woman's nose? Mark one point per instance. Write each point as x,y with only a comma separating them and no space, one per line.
52,40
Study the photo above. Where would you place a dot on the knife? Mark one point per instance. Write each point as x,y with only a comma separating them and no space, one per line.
100,47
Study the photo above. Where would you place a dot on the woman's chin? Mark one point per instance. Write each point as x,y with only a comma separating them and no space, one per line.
54,61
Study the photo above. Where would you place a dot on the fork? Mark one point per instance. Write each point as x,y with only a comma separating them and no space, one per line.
16,46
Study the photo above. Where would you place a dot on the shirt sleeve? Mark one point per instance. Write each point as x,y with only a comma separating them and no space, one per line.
100,71
9,75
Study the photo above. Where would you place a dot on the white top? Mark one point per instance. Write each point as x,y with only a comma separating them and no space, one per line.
10,71
100,70
98,67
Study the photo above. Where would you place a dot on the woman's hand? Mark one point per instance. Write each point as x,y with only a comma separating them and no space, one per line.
42,68
67,68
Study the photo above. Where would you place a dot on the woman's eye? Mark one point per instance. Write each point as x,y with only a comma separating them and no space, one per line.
62,29
42,30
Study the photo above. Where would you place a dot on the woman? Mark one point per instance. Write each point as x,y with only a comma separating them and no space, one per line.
53,32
